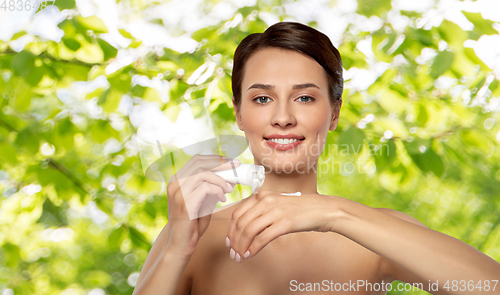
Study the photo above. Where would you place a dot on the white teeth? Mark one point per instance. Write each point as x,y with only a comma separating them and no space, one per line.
283,140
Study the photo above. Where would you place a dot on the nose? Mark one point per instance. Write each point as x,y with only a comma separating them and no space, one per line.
283,115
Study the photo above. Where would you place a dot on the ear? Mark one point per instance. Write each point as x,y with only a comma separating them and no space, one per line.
335,114
237,115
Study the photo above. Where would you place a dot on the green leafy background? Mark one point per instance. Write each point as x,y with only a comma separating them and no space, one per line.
77,213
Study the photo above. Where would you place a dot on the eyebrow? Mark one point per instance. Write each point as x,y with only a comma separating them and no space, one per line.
295,86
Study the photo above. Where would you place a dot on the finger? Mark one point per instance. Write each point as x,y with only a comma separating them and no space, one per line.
209,200
190,183
249,202
201,163
241,224
194,200
208,205
270,233
227,164
254,227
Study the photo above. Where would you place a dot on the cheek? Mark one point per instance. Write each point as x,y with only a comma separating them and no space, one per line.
253,122
317,121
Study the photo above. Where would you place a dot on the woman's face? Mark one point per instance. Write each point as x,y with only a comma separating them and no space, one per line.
285,93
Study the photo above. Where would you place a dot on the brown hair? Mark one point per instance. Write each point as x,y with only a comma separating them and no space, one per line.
292,36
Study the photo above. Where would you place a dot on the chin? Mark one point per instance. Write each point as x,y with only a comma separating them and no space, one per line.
287,164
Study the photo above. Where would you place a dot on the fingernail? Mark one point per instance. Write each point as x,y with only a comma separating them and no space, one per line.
238,258
236,161
232,253
230,186
228,242
247,254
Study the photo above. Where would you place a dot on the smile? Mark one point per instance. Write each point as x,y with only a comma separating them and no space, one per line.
283,140
283,144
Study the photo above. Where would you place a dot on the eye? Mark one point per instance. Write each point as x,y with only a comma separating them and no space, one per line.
259,99
310,99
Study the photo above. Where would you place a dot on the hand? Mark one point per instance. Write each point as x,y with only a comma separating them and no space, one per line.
193,194
268,215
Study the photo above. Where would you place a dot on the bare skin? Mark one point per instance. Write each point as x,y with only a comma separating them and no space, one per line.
307,257
306,239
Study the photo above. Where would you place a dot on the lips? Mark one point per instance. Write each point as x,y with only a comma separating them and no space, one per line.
284,142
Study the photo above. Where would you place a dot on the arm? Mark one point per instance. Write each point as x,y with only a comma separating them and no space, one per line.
417,253
163,271
412,252
394,271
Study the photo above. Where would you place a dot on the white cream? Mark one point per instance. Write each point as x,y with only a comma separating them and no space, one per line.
297,194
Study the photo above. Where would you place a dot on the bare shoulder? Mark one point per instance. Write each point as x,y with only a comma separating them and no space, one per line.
401,215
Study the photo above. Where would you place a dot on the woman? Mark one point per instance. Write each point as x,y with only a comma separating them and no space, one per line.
287,85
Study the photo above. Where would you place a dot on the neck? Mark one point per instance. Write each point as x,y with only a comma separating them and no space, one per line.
284,182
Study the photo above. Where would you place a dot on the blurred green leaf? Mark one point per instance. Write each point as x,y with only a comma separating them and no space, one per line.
92,23
116,237
352,139
8,154
52,216
426,158
23,63
138,90
109,100
135,43
78,72
480,24
422,115
138,239
109,51
369,8
101,131
63,137
383,153
204,33
11,255
28,141
225,112
104,203
71,43
96,278
442,62
36,75
17,35
120,81
452,33
19,93
65,4
471,54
